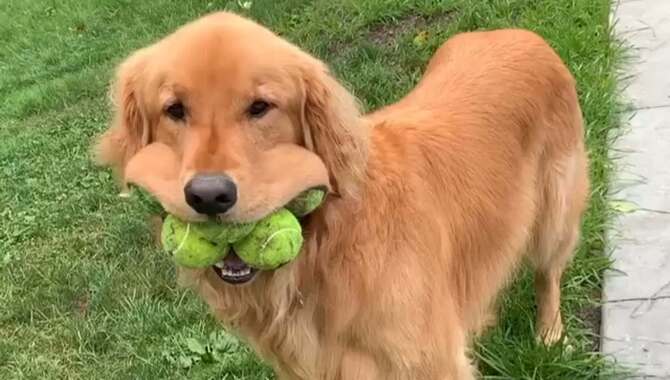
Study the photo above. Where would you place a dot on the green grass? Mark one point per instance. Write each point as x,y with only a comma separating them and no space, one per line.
85,295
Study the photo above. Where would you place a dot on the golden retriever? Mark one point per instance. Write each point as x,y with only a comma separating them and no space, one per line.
433,201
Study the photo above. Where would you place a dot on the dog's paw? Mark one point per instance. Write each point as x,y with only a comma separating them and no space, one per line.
550,335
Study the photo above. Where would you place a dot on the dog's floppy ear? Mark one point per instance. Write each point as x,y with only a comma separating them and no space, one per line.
130,130
333,129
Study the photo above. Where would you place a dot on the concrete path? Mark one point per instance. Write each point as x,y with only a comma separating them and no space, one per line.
636,312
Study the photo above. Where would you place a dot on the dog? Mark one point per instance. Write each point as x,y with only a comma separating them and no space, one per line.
433,201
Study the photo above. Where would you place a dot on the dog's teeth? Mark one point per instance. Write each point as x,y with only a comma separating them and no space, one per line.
220,264
232,273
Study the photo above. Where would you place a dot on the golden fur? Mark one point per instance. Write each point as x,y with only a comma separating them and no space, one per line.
435,199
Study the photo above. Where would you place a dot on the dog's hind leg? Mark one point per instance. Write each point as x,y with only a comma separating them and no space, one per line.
563,197
549,326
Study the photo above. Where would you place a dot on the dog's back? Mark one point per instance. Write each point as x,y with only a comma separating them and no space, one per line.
481,163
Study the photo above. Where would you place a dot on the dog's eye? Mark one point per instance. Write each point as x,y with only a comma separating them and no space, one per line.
176,111
259,108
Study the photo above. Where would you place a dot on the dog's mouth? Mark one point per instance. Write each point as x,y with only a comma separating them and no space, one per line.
233,270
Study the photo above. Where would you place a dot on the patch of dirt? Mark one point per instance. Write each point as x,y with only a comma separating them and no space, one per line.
387,32
383,34
81,305
591,315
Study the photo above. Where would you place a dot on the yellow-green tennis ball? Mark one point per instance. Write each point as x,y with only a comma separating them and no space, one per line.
189,246
225,233
276,240
306,202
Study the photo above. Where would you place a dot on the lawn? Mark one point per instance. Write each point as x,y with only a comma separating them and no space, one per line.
85,294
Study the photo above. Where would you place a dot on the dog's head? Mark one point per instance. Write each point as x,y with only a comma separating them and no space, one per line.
245,121
223,119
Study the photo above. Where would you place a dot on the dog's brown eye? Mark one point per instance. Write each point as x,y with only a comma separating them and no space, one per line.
259,108
176,111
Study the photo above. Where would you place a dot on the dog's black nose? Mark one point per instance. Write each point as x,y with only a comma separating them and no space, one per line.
211,194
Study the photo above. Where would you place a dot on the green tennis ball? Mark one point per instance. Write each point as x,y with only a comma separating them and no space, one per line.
189,245
276,240
306,202
225,233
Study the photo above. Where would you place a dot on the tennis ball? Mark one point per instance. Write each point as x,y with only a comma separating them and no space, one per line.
266,244
306,202
189,245
276,240
224,233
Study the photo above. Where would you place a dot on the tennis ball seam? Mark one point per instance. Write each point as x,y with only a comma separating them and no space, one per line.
269,239
183,240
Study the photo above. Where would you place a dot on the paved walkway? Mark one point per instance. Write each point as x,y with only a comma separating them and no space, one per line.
636,313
